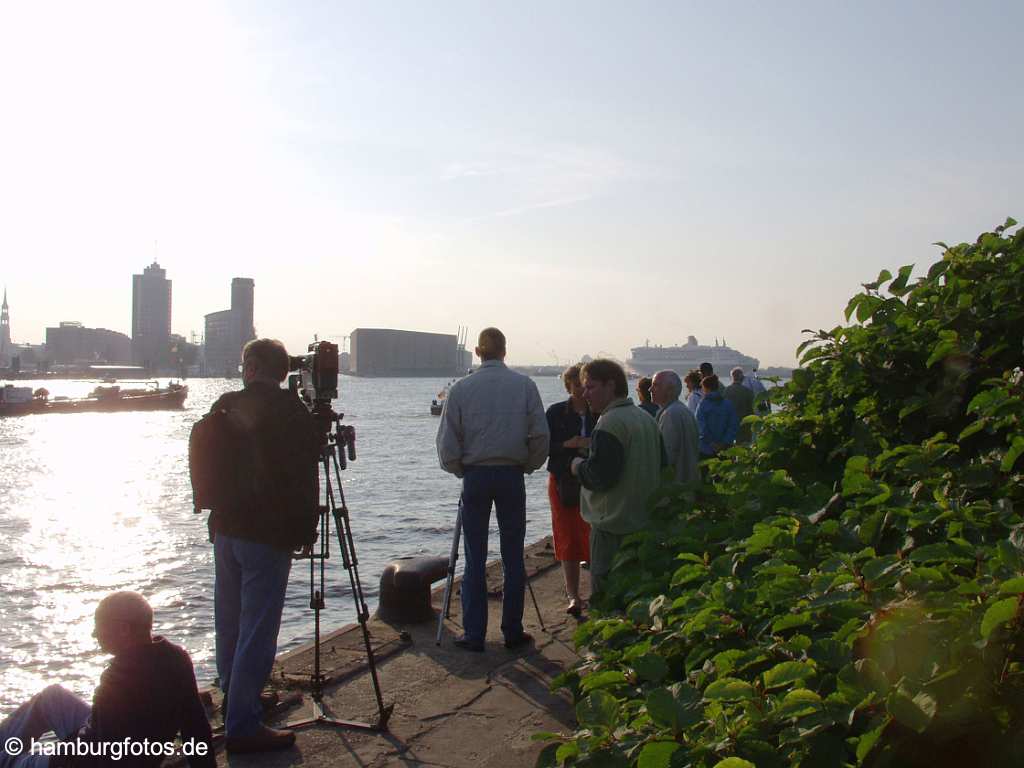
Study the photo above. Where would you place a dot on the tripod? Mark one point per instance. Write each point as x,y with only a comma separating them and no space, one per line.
453,558
336,441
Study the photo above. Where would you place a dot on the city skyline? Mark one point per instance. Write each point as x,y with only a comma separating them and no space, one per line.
584,176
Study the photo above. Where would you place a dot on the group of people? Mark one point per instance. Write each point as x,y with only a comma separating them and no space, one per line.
604,457
149,692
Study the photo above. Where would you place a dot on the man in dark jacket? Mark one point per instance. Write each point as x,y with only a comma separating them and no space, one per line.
146,696
272,514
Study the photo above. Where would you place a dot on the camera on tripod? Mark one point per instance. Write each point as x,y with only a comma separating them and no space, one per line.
314,380
314,376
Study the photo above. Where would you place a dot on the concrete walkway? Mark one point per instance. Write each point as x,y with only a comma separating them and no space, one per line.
453,708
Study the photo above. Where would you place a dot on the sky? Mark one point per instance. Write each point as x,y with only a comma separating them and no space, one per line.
584,175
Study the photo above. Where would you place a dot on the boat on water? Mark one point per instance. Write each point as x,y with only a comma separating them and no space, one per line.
648,360
437,404
22,401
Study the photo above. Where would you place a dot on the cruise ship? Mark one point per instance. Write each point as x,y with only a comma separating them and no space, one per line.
648,360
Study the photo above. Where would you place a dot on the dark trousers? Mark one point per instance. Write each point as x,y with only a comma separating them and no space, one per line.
503,487
249,588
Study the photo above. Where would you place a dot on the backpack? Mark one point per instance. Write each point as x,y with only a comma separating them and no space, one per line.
213,447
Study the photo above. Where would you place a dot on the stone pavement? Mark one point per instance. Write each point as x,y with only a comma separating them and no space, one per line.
453,708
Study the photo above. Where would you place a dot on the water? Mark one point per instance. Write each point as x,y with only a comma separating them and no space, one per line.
94,502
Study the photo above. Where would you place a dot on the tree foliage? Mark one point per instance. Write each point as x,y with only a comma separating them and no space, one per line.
849,590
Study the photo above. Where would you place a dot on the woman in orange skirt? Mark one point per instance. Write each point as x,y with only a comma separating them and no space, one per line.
570,423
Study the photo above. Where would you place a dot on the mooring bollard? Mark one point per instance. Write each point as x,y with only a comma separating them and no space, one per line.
405,589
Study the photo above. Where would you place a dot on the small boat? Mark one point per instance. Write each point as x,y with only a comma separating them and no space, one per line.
21,401
437,404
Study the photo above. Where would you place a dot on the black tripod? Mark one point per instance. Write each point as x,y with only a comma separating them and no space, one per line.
337,441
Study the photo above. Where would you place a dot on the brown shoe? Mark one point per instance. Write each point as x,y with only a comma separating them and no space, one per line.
264,740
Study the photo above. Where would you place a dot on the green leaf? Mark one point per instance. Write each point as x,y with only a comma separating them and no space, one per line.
791,621
734,762
657,754
545,736
998,614
674,708
867,741
798,703
1012,586
650,667
566,751
687,573
916,713
1016,449
603,680
729,689
599,709
898,286
787,672
548,757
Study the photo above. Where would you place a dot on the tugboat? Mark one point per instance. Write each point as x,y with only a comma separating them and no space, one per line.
22,401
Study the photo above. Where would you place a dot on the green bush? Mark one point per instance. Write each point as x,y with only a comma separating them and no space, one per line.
848,590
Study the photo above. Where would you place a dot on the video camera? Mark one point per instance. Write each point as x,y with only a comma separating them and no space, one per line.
315,375
314,380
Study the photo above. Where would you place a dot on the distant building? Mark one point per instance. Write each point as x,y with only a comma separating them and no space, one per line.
151,317
6,347
388,352
71,342
229,330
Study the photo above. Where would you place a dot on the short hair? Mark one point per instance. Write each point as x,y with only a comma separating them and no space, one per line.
706,369
710,383
736,373
604,370
572,373
129,607
673,379
693,379
271,356
491,344
644,387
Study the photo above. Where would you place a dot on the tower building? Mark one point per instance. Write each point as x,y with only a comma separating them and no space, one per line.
6,347
229,330
151,316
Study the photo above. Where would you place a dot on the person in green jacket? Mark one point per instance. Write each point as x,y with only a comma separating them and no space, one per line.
622,470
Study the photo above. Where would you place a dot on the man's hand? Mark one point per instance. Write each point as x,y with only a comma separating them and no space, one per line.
576,442
575,466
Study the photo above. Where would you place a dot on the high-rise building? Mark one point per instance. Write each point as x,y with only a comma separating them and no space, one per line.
151,316
229,330
5,333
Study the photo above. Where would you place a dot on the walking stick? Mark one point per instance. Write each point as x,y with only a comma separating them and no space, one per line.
453,558
535,606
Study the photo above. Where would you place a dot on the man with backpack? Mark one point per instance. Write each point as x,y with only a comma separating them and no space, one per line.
263,507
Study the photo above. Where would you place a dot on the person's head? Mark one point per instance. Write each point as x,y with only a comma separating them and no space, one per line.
706,369
573,383
693,380
643,389
490,345
264,360
666,386
737,375
709,383
603,381
123,620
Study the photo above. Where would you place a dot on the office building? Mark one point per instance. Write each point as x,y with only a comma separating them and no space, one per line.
71,342
228,330
151,317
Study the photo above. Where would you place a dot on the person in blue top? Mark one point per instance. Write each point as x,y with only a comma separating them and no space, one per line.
717,421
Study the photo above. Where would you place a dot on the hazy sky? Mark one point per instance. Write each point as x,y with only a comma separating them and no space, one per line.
583,175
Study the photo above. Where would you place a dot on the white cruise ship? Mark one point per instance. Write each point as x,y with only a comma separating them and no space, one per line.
648,360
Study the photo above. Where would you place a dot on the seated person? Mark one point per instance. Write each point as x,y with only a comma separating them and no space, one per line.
147,692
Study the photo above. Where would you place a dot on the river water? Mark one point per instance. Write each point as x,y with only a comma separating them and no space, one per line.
93,502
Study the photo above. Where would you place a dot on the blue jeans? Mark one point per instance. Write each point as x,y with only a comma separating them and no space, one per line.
504,487
249,587
52,709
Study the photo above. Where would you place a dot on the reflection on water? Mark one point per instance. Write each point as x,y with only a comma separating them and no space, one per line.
94,502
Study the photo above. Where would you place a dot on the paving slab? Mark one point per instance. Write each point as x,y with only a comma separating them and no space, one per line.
452,708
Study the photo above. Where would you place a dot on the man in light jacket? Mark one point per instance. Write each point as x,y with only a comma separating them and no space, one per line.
678,428
623,469
493,431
